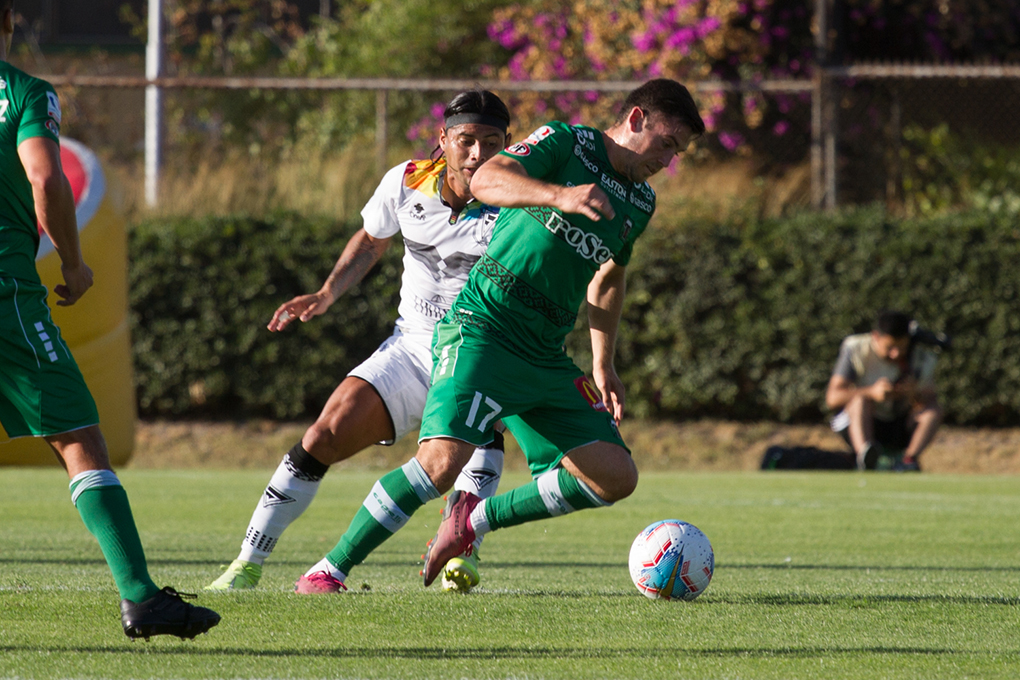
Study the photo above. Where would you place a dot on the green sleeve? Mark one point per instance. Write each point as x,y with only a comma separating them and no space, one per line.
544,151
40,115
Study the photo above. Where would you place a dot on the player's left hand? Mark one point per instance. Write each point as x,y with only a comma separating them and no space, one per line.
612,390
77,280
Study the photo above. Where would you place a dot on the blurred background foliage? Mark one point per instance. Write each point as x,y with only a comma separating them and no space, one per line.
687,40
739,296
734,317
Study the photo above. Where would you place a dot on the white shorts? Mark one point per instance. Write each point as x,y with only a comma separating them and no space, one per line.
400,371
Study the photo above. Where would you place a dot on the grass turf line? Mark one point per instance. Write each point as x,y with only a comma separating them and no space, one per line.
818,575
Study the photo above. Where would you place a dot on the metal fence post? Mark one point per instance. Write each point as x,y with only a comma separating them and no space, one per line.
381,130
817,105
153,104
830,125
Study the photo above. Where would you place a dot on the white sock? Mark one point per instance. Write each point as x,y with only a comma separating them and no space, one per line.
479,523
327,566
289,493
481,476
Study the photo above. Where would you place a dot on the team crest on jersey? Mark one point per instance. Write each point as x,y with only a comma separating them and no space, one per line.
52,127
628,226
418,211
519,149
484,225
3,84
53,106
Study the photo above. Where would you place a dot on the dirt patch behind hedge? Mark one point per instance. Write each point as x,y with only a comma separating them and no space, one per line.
698,445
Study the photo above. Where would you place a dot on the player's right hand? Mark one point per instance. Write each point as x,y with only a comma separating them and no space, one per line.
77,280
882,390
588,200
302,307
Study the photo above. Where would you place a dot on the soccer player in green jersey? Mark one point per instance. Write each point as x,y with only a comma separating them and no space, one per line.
573,200
42,393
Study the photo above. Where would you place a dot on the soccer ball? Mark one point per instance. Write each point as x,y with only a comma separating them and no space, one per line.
671,560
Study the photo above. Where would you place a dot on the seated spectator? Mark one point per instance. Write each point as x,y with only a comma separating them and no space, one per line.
884,390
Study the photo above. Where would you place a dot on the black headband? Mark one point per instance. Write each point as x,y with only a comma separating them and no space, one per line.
479,118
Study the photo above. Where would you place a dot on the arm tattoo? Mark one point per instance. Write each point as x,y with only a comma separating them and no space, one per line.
353,265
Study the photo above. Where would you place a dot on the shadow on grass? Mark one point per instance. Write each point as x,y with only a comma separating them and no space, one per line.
498,564
98,562
859,600
862,567
502,653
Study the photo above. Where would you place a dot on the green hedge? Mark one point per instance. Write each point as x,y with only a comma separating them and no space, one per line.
202,292
730,317
743,318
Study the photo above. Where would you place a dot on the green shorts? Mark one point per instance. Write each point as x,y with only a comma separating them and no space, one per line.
42,391
550,409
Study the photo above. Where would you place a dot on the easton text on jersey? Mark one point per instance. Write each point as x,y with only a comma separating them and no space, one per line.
614,187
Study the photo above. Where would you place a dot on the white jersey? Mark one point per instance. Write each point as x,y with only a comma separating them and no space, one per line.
440,247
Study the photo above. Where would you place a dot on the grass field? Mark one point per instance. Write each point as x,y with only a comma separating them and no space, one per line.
817,576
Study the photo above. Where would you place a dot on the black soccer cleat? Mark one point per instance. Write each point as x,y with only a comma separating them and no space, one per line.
868,458
166,613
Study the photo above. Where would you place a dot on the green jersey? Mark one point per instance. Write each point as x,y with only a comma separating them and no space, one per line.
28,108
526,290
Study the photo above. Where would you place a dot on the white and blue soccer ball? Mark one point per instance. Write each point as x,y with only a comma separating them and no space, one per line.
671,560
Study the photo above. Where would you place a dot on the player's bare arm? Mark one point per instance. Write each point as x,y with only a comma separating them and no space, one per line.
504,182
358,257
54,208
841,391
605,305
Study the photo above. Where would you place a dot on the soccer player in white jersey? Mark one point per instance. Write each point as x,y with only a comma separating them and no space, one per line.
445,231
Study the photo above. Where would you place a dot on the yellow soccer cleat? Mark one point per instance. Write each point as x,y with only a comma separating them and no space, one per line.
240,575
461,573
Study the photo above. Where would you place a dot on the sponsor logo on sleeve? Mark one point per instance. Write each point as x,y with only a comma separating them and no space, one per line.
53,106
538,135
590,394
519,149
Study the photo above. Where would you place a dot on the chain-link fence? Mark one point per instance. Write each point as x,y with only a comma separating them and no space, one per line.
928,140
918,139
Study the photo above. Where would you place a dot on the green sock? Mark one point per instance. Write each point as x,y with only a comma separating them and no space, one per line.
103,506
551,494
392,501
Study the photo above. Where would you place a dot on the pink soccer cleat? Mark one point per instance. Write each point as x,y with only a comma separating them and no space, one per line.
455,536
319,583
